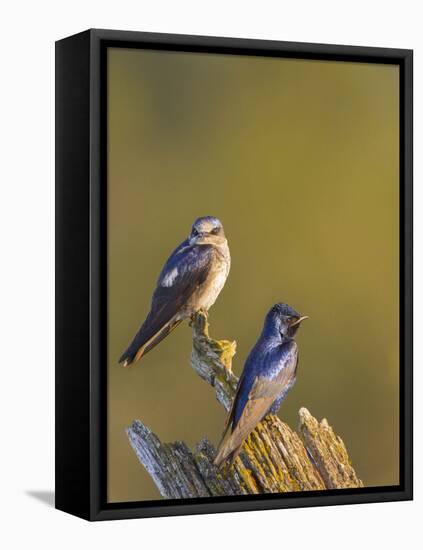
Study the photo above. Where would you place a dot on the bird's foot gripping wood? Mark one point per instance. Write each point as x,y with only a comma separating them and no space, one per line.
212,360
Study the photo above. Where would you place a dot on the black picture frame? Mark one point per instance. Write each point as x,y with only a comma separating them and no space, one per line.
81,272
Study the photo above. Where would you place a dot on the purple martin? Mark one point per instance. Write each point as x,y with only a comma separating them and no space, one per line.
269,373
190,281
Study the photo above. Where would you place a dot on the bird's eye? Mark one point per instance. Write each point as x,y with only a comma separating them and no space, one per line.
215,231
194,232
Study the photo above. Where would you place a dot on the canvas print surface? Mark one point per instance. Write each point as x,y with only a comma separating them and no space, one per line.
244,195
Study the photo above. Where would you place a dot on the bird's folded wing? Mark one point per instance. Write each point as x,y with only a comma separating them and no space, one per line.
262,395
185,270
272,386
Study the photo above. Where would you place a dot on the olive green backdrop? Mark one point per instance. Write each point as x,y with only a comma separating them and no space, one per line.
300,161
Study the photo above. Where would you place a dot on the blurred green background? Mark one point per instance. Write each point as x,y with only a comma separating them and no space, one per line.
300,161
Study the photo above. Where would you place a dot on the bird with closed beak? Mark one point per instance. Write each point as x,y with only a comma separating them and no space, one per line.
190,281
269,373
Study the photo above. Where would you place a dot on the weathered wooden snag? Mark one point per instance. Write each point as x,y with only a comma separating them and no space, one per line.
274,459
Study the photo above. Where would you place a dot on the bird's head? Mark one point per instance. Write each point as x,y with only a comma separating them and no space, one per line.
207,230
284,319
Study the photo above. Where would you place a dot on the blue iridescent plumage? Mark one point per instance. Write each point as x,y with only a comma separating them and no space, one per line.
269,373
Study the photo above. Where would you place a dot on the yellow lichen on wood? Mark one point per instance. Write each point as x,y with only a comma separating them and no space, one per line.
328,452
274,458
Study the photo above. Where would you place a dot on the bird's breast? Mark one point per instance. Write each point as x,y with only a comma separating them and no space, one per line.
210,289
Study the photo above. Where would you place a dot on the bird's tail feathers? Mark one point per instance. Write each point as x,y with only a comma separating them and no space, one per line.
142,345
222,454
127,358
227,452
227,449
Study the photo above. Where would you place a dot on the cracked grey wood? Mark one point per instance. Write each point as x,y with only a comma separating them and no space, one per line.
274,459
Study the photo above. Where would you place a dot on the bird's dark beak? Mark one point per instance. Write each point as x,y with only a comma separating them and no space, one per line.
197,237
300,320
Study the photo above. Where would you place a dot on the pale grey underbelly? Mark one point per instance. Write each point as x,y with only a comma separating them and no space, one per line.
206,294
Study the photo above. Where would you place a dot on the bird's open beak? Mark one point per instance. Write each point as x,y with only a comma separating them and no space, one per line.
300,320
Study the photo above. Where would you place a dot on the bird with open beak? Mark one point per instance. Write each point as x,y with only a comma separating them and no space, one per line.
269,373
190,281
